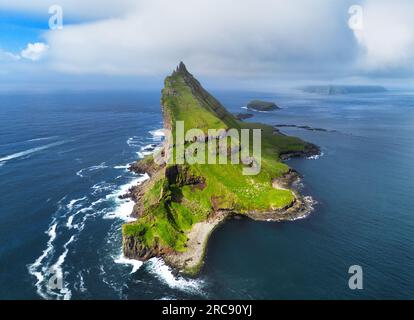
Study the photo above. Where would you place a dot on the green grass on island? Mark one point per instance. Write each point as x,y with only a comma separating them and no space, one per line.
171,208
260,105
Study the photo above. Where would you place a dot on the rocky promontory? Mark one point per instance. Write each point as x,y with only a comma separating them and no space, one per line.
179,206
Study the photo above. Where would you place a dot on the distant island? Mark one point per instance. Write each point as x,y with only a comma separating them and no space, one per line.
259,105
181,204
337,89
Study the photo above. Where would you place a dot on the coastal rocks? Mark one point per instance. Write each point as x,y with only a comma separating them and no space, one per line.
134,249
259,105
287,181
146,165
309,150
299,208
309,128
243,116
191,260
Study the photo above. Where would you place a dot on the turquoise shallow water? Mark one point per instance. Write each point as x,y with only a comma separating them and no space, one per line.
62,159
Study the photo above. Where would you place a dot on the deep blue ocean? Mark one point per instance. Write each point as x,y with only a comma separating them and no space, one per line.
63,159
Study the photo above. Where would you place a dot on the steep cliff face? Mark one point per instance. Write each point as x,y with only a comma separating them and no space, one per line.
181,204
205,99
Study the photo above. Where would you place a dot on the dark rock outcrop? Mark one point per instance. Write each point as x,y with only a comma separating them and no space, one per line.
243,116
309,150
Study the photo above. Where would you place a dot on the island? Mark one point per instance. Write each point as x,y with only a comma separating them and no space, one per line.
343,89
259,105
180,205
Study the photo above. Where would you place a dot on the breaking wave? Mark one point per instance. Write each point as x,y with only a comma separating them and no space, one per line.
157,135
83,172
71,218
121,259
123,208
161,271
316,157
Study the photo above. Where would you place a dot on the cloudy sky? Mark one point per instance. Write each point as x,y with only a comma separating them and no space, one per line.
248,43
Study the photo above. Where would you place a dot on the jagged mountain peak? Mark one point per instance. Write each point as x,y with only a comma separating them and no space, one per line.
182,69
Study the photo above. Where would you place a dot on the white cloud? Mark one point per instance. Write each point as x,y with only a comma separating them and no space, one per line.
387,36
73,9
6,56
34,51
211,36
251,39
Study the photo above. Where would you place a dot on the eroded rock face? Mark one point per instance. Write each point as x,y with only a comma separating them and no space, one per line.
181,176
145,166
134,249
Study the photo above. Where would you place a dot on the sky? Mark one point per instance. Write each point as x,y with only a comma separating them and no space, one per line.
256,44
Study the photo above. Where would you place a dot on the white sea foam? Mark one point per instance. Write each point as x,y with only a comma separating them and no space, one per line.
30,151
79,226
102,187
164,273
57,270
82,286
81,173
98,202
73,202
133,141
147,150
41,139
124,207
158,134
316,157
35,268
125,188
149,147
121,259
69,223
122,211
311,207
250,109
143,154
122,166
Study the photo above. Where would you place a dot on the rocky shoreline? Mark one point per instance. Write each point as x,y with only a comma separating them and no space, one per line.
309,128
191,261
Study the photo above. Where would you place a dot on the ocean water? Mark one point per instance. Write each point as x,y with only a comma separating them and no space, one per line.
63,159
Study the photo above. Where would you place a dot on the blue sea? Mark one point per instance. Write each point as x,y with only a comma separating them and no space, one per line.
63,164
